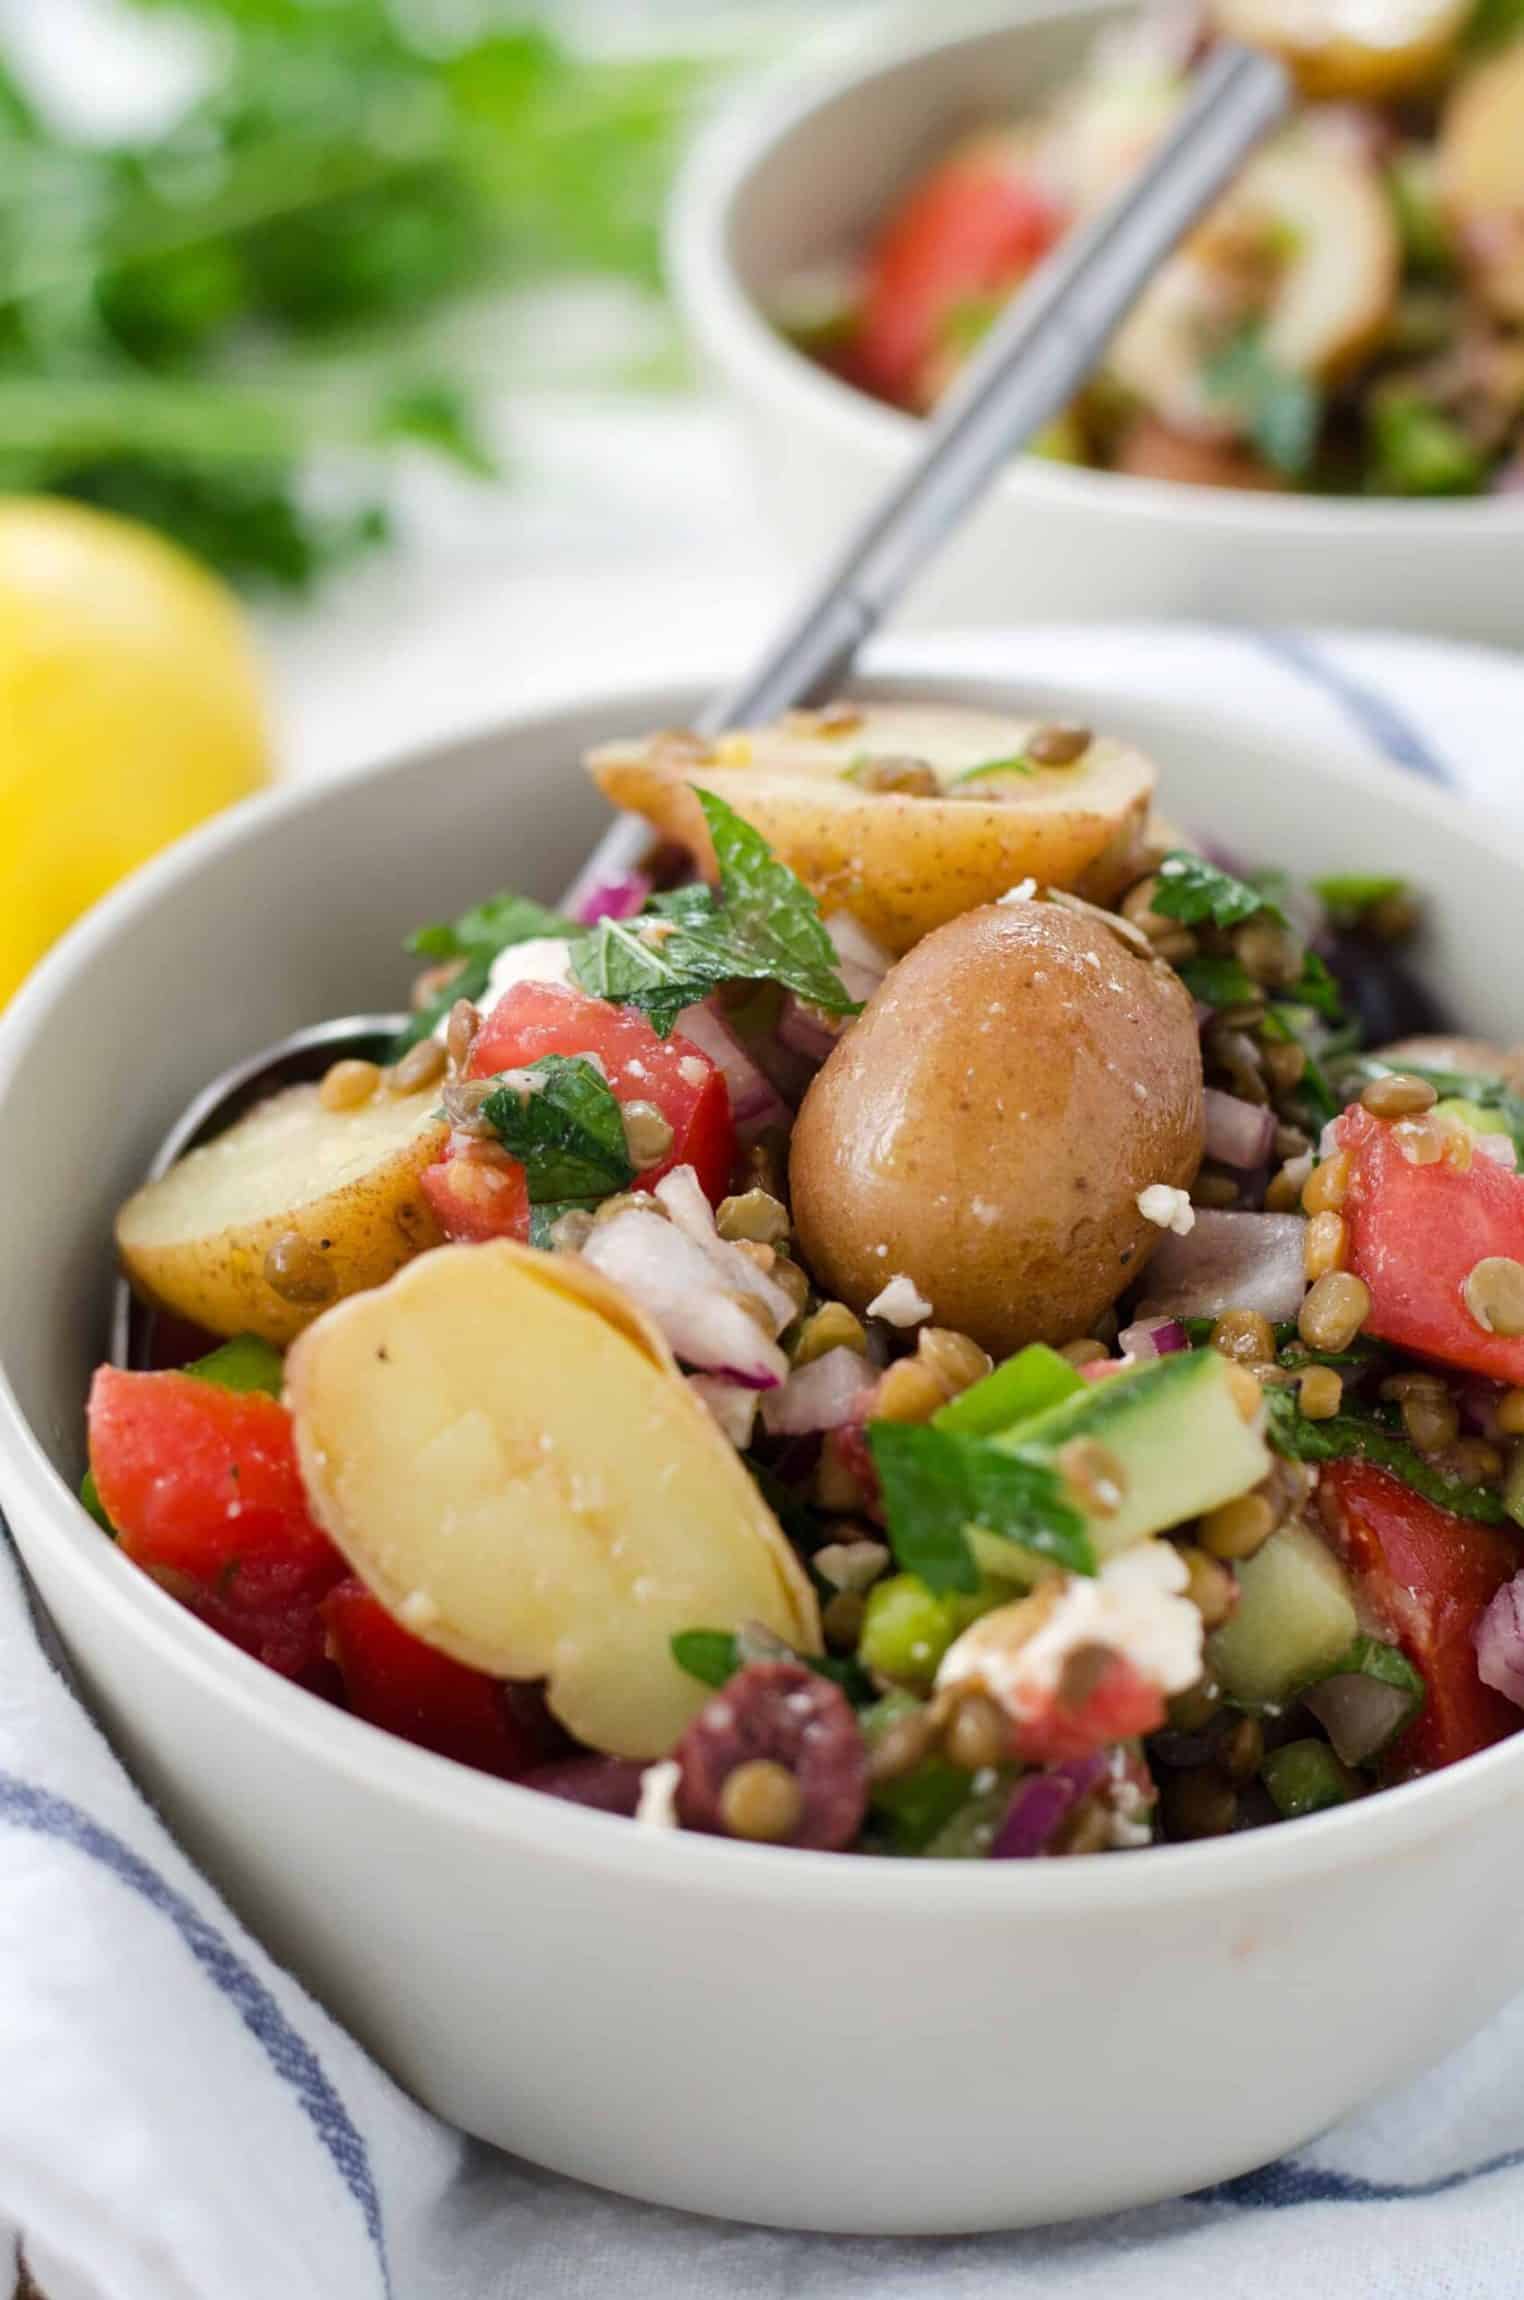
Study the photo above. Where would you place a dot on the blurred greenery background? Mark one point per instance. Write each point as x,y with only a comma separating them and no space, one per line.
223,320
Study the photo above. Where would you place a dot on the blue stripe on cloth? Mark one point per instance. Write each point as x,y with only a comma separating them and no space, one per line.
1378,718
1276,2186
291,2057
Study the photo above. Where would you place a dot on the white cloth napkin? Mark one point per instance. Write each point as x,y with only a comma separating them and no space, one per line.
179,2121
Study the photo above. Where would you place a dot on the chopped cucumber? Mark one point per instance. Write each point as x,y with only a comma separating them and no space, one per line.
1177,1432
90,1495
916,1806
1306,1777
907,1627
968,1834
1017,1390
1472,1114
1295,1620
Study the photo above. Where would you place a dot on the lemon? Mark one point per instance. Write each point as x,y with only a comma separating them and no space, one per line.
130,709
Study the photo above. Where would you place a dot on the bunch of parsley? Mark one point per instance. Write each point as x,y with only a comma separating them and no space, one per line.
187,322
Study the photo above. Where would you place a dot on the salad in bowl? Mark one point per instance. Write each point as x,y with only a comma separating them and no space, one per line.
936,1319
1346,322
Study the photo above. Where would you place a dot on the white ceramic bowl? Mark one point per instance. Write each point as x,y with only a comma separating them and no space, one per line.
795,173
806,2039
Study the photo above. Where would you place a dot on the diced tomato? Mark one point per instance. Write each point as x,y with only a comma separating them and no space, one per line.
1426,1577
203,1489
392,1679
534,1019
974,226
1415,1235
473,1200
1120,1706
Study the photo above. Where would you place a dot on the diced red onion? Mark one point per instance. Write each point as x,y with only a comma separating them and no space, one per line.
1202,1012
805,1030
733,1405
861,962
1153,1338
621,897
674,1281
1040,1805
1238,1133
1229,1262
1358,1713
1500,1641
684,1200
1509,480
824,1395
1479,1402
755,1104
606,1784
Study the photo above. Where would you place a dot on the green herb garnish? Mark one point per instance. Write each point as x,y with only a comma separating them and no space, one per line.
477,937
191,320
713,1656
1350,1437
1281,412
1197,893
1217,981
937,1484
567,1132
763,925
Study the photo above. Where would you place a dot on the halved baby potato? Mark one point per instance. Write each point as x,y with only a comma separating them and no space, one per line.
1332,259
324,1202
1481,177
1350,50
504,1450
974,813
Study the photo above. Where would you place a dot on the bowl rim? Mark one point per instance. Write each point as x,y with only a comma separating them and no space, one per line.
441,1791
739,137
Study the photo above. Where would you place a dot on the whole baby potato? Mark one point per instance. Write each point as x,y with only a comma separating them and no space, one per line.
986,1126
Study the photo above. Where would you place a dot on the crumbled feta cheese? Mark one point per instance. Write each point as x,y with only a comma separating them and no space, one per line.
543,958
693,1070
418,1610
1134,1606
1023,891
657,1805
900,1303
1168,1208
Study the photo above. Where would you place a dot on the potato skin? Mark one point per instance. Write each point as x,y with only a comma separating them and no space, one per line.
196,1247
902,866
985,1126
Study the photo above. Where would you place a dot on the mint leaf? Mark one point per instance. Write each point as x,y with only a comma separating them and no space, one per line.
763,925
707,1654
1197,893
1281,412
1348,1437
1217,981
477,937
936,1484
567,1132
488,928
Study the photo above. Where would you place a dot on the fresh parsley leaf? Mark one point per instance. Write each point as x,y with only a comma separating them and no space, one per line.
488,929
1281,412
567,1133
1349,894
477,937
763,925
1217,981
1198,893
713,1657
937,1484
707,1654
1315,987
1349,1437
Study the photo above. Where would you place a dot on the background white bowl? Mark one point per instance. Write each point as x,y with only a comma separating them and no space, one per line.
798,2038
796,172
